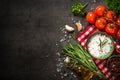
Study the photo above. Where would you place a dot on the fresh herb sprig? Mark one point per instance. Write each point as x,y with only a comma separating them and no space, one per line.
78,53
102,43
78,9
114,5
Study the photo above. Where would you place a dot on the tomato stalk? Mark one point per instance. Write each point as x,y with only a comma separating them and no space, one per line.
111,26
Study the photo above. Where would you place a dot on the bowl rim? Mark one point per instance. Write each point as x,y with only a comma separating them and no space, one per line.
107,62
100,32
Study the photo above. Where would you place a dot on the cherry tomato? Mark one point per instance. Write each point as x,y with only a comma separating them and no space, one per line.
111,28
118,22
100,23
118,34
91,17
110,16
100,10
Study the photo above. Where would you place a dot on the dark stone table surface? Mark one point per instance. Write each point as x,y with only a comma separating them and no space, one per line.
29,33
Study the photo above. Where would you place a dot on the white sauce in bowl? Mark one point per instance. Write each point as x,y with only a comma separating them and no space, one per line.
94,45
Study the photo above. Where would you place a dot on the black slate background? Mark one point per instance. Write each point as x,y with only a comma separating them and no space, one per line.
29,30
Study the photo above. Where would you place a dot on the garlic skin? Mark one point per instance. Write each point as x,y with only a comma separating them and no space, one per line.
69,28
79,26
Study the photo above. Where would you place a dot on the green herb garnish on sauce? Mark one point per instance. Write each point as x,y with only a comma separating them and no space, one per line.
102,43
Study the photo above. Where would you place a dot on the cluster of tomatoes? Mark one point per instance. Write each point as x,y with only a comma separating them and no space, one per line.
105,20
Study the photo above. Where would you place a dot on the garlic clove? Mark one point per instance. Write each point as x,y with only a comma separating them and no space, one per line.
67,60
69,28
79,26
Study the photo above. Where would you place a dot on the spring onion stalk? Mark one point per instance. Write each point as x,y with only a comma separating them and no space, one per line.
78,53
